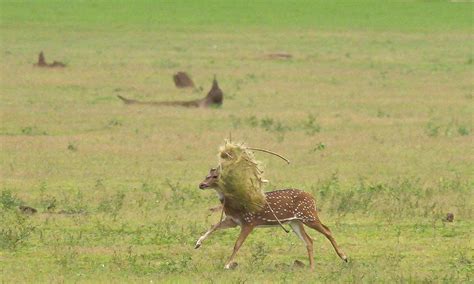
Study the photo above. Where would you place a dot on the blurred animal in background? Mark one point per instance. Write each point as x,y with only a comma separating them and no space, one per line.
42,62
279,55
215,95
449,217
214,98
182,80
27,209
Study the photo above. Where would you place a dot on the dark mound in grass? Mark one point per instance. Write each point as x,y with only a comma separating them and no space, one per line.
182,80
42,62
214,98
279,55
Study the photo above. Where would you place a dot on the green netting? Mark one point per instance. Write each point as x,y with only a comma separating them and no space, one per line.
241,177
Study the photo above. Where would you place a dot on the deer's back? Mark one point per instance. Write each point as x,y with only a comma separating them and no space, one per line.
286,205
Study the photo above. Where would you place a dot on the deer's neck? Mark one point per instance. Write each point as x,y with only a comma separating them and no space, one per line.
221,196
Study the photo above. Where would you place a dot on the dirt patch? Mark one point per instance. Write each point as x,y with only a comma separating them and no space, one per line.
214,98
42,62
182,80
279,55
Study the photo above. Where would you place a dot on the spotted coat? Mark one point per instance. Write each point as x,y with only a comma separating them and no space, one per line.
286,204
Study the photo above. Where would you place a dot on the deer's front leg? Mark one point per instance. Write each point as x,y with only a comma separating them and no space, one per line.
225,224
246,230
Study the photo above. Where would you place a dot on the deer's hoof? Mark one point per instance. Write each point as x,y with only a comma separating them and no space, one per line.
345,259
198,245
231,265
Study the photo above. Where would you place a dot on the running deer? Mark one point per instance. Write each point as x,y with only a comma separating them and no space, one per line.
290,206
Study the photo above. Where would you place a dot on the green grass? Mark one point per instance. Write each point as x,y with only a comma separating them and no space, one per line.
236,15
374,110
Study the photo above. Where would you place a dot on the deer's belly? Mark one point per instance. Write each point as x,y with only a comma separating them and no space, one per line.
236,220
273,223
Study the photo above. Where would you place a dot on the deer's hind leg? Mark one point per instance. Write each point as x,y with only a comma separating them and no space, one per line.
318,226
298,228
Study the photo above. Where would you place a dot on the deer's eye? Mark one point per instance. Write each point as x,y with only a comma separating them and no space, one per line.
215,176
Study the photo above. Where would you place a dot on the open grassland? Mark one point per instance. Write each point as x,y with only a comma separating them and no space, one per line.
374,110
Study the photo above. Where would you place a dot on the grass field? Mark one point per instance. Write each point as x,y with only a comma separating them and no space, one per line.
374,110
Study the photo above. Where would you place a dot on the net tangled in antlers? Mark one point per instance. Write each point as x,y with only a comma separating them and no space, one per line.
241,177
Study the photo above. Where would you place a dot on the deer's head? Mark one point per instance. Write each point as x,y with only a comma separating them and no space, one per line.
211,179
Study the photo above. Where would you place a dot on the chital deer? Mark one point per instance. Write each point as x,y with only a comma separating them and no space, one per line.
291,206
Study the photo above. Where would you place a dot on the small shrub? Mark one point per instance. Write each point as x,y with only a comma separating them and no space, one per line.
48,203
326,187
113,205
236,121
238,84
267,124
275,126
381,114
8,200
311,126
32,130
432,129
75,205
72,147
259,254
319,147
146,187
463,130
177,195
251,76
252,121
27,130
99,184
14,229
114,123
167,64
176,264
67,259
